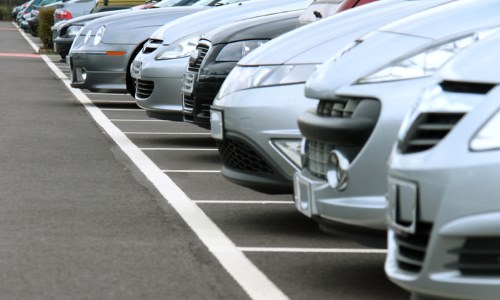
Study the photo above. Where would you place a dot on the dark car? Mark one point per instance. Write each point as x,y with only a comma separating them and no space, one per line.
217,54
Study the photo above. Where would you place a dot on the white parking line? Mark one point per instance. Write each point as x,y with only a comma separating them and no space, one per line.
123,109
191,171
165,133
245,273
107,94
132,120
241,202
313,250
178,149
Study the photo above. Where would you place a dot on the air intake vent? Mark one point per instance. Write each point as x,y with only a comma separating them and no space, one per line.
478,257
340,109
143,88
428,130
412,247
466,87
239,156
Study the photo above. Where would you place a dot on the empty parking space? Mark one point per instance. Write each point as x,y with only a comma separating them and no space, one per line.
290,250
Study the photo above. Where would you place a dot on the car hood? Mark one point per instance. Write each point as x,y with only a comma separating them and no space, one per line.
87,18
314,43
140,18
382,47
135,27
266,27
205,21
461,69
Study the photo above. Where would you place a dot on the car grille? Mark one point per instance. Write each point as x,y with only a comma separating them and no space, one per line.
143,88
412,247
478,257
428,130
318,154
203,49
339,109
237,155
151,45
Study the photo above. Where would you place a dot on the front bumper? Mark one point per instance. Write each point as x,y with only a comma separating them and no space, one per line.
456,196
362,203
250,125
104,71
158,85
62,45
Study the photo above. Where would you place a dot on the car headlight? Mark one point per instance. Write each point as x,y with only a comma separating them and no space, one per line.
426,62
180,48
291,150
242,78
98,35
488,137
237,50
73,31
87,36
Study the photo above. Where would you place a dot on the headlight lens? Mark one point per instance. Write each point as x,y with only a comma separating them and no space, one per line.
87,36
242,78
290,149
73,31
180,48
488,138
427,62
237,50
98,35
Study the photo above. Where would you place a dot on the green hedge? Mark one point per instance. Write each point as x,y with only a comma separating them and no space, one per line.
45,21
5,12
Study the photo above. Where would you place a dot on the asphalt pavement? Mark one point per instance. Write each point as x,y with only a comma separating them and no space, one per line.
80,220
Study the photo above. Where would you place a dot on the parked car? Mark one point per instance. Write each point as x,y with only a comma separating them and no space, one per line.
259,149
101,55
318,10
348,137
72,9
65,32
159,68
216,55
33,20
443,184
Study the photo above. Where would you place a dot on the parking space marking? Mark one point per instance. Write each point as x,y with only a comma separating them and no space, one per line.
140,120
179,149
106,94
23,55
166,133
123,109
313,250
242,202
252,280
191,171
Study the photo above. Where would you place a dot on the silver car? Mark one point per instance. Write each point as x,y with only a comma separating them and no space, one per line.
101,54
160,67
443,184
254,116
349,136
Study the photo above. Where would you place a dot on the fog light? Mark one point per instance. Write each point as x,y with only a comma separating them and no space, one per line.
216,124
83,73
338,167
291,149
